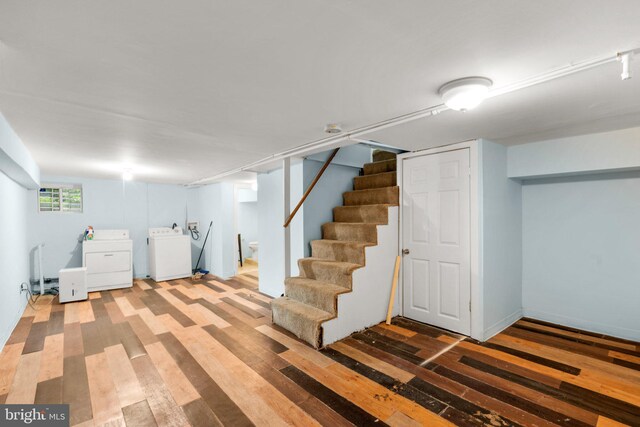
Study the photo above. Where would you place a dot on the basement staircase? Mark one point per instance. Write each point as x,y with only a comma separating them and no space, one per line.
345,285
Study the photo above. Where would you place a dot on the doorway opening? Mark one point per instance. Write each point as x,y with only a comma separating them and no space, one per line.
247,246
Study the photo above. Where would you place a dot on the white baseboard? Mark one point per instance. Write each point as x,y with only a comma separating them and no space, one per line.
586,325
502,324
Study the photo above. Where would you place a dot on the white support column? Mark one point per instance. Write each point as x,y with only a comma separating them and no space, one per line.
286,174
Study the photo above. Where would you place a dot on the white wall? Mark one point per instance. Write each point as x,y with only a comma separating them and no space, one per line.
107,204
501,242
15,160
598,152
581,252
271,231
326,195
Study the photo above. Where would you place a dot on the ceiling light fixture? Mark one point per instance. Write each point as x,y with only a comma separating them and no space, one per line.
465,94
331,141
332,128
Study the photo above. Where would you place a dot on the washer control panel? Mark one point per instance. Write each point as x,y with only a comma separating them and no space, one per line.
165,231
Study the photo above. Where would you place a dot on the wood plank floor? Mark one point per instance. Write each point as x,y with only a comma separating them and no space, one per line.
206,354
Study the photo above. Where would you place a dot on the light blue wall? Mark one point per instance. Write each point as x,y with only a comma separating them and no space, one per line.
326,195
18,172
598,152
14,253
355,155
501,250
107,204
581,252
248,225
214,203
270,229
317,210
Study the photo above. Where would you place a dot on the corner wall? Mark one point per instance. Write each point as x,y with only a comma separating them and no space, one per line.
501,241
14,254
18,172
135,206
209,203
581,252
270,229
581,204
107,204
326,195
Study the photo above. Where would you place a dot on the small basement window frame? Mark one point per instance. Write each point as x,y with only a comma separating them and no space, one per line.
60,198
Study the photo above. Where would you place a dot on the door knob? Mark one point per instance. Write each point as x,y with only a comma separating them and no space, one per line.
405,252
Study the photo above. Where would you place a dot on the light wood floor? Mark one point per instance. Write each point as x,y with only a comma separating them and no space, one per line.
205,354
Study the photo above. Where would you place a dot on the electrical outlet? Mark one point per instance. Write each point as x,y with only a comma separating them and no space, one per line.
193,225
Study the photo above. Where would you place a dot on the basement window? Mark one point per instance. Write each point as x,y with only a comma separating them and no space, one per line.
60,198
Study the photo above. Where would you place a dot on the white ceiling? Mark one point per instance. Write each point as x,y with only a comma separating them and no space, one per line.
185,90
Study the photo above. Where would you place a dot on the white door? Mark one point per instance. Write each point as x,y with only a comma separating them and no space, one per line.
435,235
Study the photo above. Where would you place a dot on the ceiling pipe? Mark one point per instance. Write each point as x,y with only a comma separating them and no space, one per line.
354,134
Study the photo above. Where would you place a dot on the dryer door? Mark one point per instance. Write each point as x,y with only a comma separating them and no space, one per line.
107,262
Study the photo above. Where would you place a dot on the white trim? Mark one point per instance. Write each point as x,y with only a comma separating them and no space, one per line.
502,324
286,184
586,325
475,184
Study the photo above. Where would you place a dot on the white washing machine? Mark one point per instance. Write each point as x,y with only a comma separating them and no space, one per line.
108,259
169,254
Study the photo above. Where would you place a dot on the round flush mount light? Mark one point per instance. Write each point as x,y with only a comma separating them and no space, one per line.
332,128
465,94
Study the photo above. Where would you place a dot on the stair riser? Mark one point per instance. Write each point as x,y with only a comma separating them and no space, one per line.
313,297
324,273
365,182
302,327
380,167
320,249
379,156
350,232
368,214
389,195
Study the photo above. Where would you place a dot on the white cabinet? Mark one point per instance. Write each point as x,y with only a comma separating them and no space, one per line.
108,259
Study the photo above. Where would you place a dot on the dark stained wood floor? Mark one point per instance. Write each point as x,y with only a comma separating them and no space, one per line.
206,354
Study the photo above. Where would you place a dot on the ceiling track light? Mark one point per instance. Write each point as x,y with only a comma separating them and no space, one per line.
465,94
625,59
